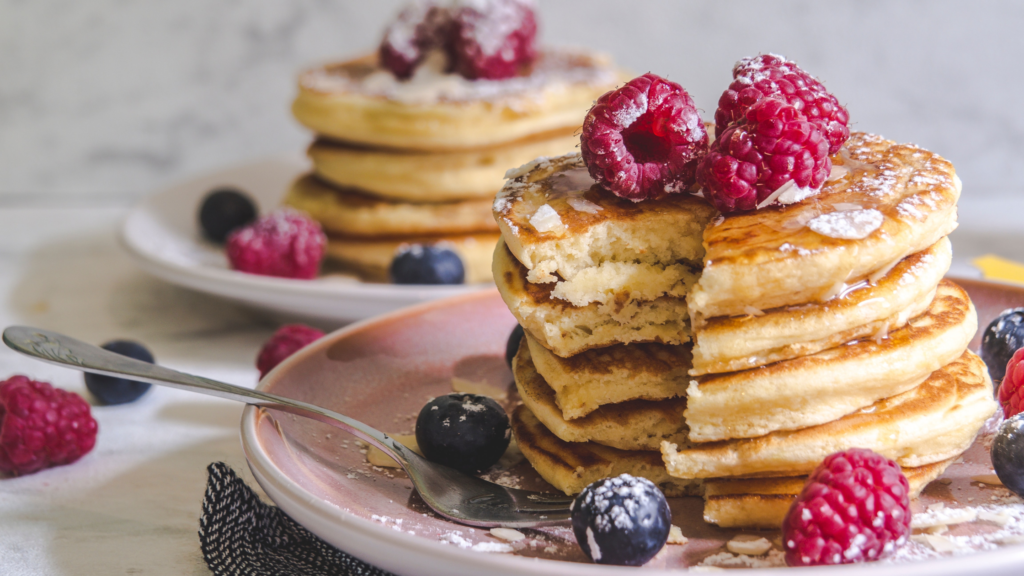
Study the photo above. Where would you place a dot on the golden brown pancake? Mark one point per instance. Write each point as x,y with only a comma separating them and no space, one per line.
828,385
633,425
803,252
588,380
348,212
930,423
370,258
358,101
730,343
418,176
566,329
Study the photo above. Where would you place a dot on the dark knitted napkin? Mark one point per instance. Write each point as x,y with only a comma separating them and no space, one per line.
240,535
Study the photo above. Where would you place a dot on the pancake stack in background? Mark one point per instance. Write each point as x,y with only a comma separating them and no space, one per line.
418,160
728,355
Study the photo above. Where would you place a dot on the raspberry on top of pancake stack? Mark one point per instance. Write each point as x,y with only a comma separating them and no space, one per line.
413,142
719,309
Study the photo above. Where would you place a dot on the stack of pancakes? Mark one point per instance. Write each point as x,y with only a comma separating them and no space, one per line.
419,161
726,356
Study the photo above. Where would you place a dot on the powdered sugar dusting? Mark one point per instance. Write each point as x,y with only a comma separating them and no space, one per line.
847,224
628,114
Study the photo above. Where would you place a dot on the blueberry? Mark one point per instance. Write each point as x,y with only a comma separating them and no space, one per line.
418,264
622,521
110,390
1008,454
513,344
223,210
463,431
1001,339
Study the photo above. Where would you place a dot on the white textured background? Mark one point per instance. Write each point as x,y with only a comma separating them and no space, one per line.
106,100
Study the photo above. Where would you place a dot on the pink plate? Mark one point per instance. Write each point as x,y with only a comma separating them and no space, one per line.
382,371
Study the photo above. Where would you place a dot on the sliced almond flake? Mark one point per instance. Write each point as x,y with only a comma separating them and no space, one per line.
940,544
990,479
753,311
464,386
845,206
998,518
507,534
378,458
836,173
748,545
848,225
583,205
775,195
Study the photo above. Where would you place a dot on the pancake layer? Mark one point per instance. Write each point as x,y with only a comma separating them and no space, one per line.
892,200
557,220
611,375
350,213
371,258
935,421
633,425
822,387
729,343
567,330
358,101
417,176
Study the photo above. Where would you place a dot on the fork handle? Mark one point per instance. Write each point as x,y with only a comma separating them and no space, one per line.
55,348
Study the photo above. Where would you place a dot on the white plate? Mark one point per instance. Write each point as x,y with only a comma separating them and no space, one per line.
162,235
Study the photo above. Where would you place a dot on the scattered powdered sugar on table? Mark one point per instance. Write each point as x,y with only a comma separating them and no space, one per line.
847,224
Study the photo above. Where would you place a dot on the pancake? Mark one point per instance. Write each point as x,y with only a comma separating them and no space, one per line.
822,387
781,255
557,220
935,421
729,343
371,258
359,102
633,425
611,375
747,503
416,176
566,329
571,466
350,213
762,503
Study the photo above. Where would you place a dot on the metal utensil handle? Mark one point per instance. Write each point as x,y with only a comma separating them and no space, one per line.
63,350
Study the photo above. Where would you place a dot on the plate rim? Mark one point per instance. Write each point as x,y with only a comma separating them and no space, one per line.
295,500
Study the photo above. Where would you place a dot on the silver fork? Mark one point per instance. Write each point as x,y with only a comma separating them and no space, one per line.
457,496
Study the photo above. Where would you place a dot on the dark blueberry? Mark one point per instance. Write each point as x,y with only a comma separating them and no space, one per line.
622,521
110,390
418,264
1001,339
1008,454
463,431
513,344
223,210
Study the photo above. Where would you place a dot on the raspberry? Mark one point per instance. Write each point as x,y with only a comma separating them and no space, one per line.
750,160
644,139
418,28
492,39
855,507
1011,391
41,426
771,76
284,243
288,340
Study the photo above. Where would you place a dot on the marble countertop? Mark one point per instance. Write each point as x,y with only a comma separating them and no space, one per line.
132,505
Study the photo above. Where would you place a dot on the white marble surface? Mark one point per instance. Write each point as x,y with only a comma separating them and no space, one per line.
103,101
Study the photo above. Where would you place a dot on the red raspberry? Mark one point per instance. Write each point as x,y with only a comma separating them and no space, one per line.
419,27
1011,391
644,139
492,39
855,507
288,340
41,426
752,159
284,243
771,76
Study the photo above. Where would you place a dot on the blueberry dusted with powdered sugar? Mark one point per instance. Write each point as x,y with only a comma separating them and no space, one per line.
467,432
1003,337
622,521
